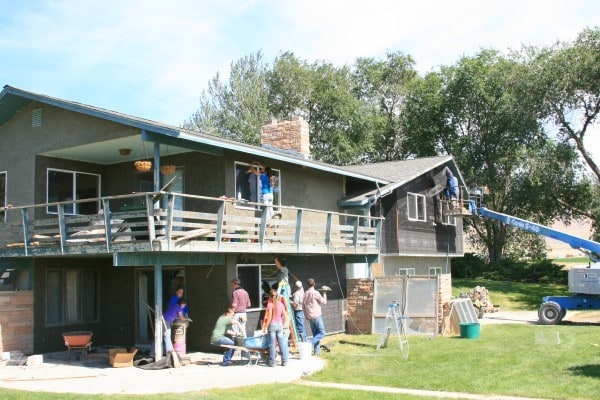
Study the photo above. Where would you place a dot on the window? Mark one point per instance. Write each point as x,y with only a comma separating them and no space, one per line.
449,220
416,207
70,185
406,271
435,270
253,276
3,195
71,295
247,184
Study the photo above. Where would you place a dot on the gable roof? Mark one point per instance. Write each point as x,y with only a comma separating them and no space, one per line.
12,100
397,173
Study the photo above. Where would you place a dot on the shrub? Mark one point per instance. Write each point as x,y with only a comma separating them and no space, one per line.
544,271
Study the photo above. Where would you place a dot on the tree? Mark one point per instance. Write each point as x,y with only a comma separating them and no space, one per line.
237,109
568,79
382,85
569,75
482,111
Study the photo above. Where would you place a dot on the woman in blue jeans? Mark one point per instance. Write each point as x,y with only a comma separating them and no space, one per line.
276,318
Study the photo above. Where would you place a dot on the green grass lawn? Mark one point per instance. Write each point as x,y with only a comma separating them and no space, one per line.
557,362
571,260
276,391
511,295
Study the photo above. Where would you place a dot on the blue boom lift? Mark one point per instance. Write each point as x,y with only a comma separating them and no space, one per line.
584,283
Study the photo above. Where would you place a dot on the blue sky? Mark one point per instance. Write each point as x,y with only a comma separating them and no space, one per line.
153,58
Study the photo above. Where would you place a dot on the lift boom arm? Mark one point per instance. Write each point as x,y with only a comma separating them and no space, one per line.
591,248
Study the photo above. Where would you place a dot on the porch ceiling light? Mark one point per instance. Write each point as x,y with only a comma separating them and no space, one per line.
124,152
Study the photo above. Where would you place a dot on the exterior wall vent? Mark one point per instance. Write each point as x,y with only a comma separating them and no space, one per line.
36,118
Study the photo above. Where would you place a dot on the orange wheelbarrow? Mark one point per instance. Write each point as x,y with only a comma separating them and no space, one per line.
78,342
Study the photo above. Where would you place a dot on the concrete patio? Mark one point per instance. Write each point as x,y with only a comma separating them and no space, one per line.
95,375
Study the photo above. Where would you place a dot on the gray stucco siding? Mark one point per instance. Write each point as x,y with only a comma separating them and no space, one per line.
21,143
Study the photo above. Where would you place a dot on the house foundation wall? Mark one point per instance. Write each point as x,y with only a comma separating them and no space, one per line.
16,321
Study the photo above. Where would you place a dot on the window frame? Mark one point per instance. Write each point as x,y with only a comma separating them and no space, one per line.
449,220
5,173
436,271
417,197
259,283
407,271
73,188
80,296
277,190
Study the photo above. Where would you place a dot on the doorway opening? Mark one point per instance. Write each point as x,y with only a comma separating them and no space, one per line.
173,277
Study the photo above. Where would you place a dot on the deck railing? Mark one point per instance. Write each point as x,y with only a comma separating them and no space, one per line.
166,221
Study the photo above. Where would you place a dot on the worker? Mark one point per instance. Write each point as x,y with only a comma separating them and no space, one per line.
297,299
451,190
311,304
174,311
240,301
223,334
178,294
276,318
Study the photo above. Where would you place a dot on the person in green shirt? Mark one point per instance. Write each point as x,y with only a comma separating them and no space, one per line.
222,333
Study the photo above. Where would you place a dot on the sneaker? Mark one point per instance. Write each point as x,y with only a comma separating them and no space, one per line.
283,364
227,363
271,365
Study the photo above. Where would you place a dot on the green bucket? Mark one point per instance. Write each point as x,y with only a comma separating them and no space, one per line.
469,330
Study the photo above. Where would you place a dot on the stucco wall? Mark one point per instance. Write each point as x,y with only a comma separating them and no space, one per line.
393,263
300,187
116,325
206,292
16,321
60,128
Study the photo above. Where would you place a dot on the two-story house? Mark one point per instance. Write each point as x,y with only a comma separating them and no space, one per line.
106,214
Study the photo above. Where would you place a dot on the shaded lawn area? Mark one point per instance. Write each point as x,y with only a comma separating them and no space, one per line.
557,362
511,295
278,391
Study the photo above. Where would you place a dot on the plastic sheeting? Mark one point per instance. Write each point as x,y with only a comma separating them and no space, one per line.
418,297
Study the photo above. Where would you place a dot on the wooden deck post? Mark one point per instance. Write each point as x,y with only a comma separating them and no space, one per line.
150,212
298,229
355,233
25,219
158,324
328,231
263,227
169,227
107,225
62,228
156,186
219,233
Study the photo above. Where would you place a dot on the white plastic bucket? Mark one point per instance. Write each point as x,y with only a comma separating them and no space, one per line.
305,349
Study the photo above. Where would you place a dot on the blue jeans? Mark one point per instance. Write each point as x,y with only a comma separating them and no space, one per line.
299,316
276,336
229,352
167,337
318,331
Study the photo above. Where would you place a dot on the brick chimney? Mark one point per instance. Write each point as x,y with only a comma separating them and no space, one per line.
287,135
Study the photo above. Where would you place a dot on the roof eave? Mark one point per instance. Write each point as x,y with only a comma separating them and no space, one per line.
182,134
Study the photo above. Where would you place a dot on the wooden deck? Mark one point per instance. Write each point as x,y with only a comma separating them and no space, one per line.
152,222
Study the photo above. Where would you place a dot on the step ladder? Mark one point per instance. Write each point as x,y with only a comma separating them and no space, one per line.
395,324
